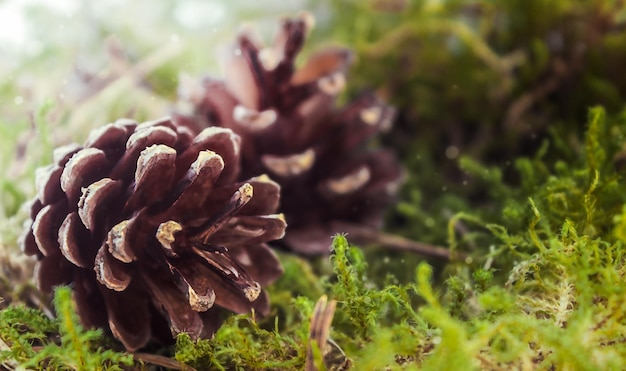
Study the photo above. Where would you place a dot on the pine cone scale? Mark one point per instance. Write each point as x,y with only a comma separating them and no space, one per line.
119,241
191,280
47,181
291,165
266,199
219,140
28,244
71,231
254,229
90,304
83,168
27,238
236,297
111,272
96,201
128,317
62,155
223,265
288,43
46,224
168,298
238,200
159,161
109,136
195,186
144,137
346,183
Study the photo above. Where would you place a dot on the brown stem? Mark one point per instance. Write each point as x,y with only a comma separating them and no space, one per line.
560,70
162,361
364,234
524,103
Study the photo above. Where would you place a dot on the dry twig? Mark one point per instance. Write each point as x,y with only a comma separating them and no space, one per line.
320,329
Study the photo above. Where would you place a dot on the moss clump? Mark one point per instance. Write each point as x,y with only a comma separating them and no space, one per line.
31,340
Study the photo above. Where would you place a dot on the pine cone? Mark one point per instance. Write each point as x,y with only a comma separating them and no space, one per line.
291,130
152,229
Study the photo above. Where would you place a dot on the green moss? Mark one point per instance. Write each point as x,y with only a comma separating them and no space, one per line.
21,327
34,341
242,344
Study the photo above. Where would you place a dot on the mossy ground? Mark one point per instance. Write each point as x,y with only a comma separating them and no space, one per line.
512,128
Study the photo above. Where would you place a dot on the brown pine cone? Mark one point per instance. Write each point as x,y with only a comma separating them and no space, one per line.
153,230
291,130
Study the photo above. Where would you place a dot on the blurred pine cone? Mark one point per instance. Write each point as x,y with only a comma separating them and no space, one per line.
291,130
152,229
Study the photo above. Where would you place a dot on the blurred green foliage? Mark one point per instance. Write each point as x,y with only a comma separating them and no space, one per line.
478,85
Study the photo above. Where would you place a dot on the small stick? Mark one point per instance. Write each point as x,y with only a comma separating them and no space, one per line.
371,235
162,361
319,329
153,359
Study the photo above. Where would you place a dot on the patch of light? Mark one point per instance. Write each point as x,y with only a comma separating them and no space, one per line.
12,24
197,14
15,30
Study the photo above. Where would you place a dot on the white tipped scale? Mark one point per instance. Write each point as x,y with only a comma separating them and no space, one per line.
146,133
68,240
332,84
239,199
42,224
252,292
270,58
208,160
62,154
111,272
205,137
151,157
349,183
393,187
95,199
308,19
165,233
255,121
200,303
290,166
117,243
371,115
47,183
246,191
82,168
